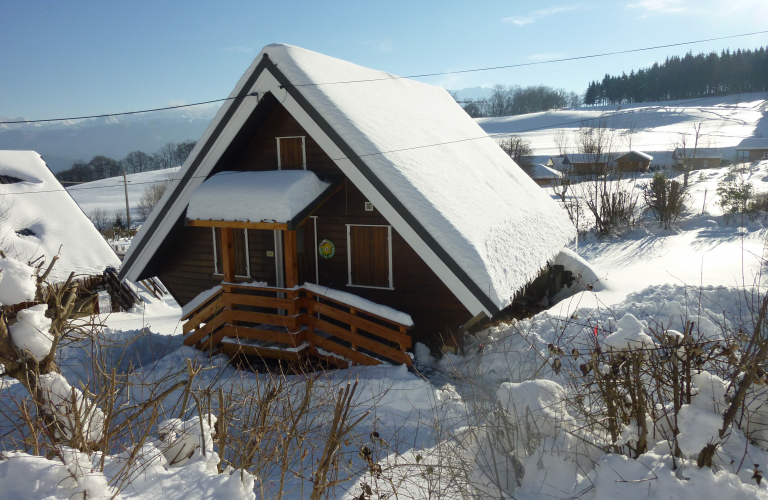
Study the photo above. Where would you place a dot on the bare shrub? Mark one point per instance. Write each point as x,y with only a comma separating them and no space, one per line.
150,197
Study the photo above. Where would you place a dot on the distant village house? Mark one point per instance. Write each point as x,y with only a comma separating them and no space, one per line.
752,149
697,159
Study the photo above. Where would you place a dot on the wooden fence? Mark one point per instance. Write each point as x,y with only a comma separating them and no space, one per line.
290,324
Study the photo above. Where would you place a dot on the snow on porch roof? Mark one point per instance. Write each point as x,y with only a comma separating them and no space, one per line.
271,196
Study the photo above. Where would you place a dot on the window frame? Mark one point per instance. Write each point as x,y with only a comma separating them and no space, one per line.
216,257
303,150
389,256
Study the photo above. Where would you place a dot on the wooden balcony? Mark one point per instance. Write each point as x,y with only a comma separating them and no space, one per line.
292,324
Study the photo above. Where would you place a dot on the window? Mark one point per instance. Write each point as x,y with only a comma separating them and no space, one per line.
291,154
369,256
242,264
705,163
743,155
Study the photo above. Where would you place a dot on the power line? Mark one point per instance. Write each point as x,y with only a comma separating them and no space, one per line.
492,68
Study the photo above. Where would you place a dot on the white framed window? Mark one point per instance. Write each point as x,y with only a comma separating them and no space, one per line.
291,153
369,256
242,255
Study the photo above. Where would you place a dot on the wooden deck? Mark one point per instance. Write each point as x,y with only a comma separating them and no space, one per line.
291,324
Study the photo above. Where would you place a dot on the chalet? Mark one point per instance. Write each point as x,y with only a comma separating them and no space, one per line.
752,149
343,212
634,161
585,164
546,176
41,221
700,158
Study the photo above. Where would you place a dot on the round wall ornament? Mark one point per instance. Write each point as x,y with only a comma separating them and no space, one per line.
326,249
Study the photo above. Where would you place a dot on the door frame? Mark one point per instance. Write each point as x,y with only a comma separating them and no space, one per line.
389,256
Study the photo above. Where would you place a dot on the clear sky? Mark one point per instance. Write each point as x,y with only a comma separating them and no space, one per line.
63,58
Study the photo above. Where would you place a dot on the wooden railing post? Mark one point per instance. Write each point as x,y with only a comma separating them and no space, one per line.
291,260
228,254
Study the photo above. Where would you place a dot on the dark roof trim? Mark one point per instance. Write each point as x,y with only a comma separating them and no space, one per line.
192,168
381,188
307,211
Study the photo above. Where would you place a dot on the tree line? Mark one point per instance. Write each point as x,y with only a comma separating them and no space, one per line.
516,100
102,167
685,77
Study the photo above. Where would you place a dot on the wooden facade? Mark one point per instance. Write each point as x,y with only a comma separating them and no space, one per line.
370,260
633,162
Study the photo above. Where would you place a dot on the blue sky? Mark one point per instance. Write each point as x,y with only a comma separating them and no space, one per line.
77,57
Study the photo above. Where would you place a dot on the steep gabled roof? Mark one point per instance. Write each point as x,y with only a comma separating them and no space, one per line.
482,225
544,172
41,218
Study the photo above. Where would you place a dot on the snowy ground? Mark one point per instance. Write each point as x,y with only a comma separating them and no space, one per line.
649,273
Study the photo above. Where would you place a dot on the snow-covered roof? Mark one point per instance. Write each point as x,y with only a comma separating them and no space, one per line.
545,172
39,218
753,143
471,213
272,196
644,156
575,158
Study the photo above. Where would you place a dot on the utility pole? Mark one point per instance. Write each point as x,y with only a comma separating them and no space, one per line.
127,207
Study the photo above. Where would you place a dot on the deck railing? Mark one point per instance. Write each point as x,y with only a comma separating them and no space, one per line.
292,323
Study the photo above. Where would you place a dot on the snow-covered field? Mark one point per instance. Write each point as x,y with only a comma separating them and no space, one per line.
726,121
109,194
423,423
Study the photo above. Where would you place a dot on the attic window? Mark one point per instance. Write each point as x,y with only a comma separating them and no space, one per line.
25,232
9,179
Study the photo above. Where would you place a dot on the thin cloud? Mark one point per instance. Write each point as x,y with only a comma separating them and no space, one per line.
532,17
658,6
385,45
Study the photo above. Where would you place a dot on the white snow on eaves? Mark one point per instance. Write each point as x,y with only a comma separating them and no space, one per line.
54,222
273,196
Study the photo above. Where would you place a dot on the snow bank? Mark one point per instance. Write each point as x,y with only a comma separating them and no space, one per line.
629,335
42,219
31,332
58,393
272,196
361,303
542,400
17,282
181,439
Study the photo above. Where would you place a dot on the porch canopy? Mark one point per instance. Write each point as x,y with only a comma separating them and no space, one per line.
274,199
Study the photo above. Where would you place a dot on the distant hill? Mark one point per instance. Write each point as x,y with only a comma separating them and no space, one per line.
62,143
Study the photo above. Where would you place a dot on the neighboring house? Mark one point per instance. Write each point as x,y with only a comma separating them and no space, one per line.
700,158
752,149
585,164
40,220
546,176
366,219
556,162
634,161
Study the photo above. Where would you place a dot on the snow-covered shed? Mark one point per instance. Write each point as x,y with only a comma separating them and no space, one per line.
698,157
634,161
405,200
40,219
752,149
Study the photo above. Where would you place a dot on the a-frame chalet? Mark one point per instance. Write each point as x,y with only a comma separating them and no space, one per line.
343,212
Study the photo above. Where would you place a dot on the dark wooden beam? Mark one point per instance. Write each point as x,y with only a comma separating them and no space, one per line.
228,254
291,260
